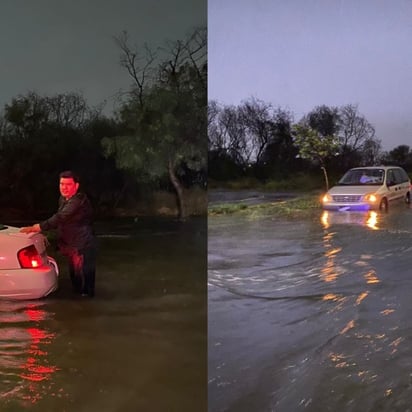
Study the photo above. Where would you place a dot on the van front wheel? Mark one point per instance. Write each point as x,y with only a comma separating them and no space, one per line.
383,206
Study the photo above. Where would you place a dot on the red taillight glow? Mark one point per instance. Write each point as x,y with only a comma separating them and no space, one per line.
29,257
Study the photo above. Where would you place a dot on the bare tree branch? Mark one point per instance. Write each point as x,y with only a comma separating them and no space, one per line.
138,66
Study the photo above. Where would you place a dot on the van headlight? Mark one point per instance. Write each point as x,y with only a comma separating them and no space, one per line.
326,198
371,198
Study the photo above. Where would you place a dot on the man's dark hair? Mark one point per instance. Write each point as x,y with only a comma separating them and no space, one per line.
67,174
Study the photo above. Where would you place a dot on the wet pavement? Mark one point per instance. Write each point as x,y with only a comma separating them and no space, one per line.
310,315
139,345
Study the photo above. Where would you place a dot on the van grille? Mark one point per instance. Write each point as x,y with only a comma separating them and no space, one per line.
347,198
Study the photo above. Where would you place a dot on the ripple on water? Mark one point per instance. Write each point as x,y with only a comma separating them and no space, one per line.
287,259
24,364
350,351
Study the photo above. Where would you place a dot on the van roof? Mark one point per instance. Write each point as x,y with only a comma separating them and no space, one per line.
377,167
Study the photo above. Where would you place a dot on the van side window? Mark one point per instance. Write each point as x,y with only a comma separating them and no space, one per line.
405,177
398,176
390,177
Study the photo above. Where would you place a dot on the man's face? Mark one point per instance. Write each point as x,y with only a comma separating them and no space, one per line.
68,187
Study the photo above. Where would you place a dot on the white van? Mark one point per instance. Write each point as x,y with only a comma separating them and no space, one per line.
369,188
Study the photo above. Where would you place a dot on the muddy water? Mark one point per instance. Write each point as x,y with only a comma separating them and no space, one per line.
140,345
311,315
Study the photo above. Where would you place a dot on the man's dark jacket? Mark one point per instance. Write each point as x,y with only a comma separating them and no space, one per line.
73,222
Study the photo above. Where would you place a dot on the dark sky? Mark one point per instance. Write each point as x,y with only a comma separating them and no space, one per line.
53,46
299,54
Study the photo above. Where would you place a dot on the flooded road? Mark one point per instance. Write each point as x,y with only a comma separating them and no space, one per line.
139,345
311,315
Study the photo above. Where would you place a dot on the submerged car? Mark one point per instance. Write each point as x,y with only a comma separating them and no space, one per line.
26,271
369,188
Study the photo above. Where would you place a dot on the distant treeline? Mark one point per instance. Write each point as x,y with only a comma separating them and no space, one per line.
255,139
156,139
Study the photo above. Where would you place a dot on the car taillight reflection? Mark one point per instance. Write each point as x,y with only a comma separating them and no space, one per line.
29,257
27,356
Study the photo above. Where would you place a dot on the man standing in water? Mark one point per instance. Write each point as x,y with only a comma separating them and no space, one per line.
76,240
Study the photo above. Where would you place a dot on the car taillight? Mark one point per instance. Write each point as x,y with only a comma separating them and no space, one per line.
29,257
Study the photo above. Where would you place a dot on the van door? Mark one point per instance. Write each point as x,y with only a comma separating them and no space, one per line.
392,184
403,182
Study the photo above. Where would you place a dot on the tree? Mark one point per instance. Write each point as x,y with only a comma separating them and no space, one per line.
354,129
371,152
255,115
164,125
279,156
316,136
48,134
355,134
323,119
314,146
240,133
139,65
26,115
234,136
401,156
215,136
226,140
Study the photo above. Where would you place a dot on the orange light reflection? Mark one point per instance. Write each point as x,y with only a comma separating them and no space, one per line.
361,297
349,325
325,219
368,219
339,360
387,312
372,221
371,277
329,272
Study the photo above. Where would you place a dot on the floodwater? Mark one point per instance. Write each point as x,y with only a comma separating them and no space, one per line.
139,345
311,315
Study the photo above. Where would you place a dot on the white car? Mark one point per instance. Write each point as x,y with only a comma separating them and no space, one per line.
369,188
26,271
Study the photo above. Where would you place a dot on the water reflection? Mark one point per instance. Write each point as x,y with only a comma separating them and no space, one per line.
25,366
372,221
359,266
330,271
368,219
371,277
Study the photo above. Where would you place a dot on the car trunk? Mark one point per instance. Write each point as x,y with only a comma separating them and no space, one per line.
11,241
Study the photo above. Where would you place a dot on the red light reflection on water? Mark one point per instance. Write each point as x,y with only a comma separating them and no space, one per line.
36,368
35,314
33,369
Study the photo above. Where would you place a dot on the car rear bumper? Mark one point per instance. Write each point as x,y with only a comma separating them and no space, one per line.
29,283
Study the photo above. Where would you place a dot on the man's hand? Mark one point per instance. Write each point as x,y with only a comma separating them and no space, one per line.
30,229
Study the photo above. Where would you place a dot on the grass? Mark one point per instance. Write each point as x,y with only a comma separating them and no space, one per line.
227,208
303,206
294,184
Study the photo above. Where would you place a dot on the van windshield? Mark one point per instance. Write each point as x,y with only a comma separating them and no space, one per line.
360,177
